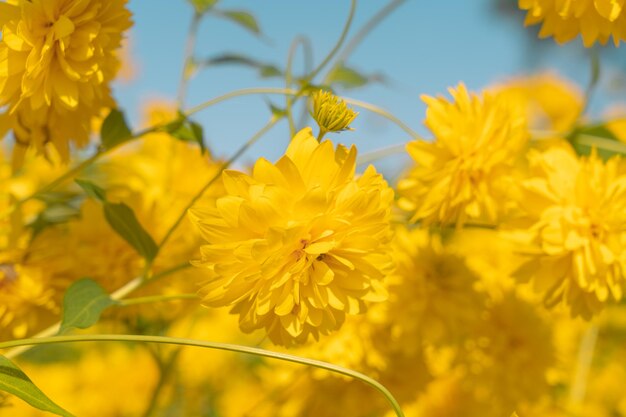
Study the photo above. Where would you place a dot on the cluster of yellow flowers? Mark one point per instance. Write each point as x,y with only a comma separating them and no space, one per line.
476,284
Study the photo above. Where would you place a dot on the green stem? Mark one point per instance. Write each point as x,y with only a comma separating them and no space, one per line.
118,295
594,77
188,58
155,299
583,365
165,369
169,271
287,91
300,40
331,54
213,345
601,143
368,157
321,134
224,166
365,30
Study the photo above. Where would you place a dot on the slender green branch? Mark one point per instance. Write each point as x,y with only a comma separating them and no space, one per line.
583,365
365,30
165,369
188,59
156,299
384,113
300,40
170,271
213,345
601,143
224,166
338,45
368,157
286,91
594,77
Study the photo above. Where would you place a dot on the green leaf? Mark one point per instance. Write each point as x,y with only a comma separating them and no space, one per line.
92,190
122,219
187,130
83,303
265,70
14,381
350,78
114,130
243,19
598,136
202,6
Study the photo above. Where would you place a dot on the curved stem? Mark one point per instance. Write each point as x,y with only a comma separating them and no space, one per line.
188,58
342,38
288,91
156,298
224,166
300,40
365,30
213,345
367,157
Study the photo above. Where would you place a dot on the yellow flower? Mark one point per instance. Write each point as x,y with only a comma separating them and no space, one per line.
331,113
594,20
550,102
466,172
297,244
575,229
57,60
433,288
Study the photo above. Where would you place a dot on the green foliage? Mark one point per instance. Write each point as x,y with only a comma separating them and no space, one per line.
83,303
348,78
60,207
187,130
202,6
265,70
14,381
115,130
243,19
599,137
122,219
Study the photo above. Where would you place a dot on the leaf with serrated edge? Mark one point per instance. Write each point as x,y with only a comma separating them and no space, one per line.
84,302
14,381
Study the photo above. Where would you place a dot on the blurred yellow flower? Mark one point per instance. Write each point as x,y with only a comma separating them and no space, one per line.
58,58
552,103
574,232
467,171
297,244
594,20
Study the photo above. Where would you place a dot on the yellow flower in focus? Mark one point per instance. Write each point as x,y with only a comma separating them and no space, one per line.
466,173
299,244
574,233
58,58
551,103
594,20
331,113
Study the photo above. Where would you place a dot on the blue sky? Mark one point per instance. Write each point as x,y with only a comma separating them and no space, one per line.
424,47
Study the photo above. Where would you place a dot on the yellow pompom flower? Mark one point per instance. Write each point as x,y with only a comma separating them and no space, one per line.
574,234
594,20
466,172
551,103
57,58
298,244
331,113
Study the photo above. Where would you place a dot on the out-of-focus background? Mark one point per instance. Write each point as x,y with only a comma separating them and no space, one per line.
423,47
